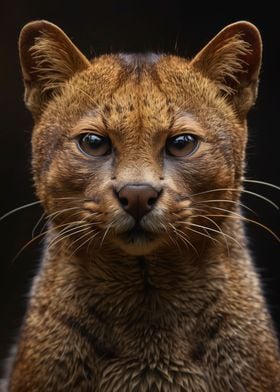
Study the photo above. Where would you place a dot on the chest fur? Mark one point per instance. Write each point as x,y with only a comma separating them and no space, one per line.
119,358
162,376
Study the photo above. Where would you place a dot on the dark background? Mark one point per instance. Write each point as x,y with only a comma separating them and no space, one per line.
103,27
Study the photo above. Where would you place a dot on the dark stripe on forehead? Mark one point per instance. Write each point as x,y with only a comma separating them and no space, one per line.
138,61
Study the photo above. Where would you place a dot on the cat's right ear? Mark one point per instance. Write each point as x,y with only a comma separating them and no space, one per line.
48,58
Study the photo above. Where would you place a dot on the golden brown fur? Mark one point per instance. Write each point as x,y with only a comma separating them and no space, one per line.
182,311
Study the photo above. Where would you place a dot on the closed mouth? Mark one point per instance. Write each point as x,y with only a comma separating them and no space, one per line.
137,234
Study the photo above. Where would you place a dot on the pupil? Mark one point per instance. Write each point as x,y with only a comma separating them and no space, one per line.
93,141
181,141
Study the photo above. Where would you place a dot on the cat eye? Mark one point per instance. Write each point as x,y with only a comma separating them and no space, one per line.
182,145
94,145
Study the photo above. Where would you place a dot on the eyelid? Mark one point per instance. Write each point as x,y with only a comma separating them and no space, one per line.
197,132
184,132
201,137
79,132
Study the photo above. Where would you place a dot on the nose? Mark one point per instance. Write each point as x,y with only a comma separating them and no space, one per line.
138,199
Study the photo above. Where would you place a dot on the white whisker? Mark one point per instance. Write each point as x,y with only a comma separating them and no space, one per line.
262,183
18,209
106,232
199,232
225,201
182,235
245,219
37,224
209,228
237,190
61,236
88,239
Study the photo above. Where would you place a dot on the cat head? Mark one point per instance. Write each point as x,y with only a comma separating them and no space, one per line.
132,150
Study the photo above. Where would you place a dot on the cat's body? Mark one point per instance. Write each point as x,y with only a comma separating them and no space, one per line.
165,305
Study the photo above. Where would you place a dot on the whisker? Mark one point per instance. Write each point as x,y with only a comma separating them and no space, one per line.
251,221
35,238
26,245
78,239
238,190
51,220
83,243
57,213
182,235
19,208
225,210
189,208
226,201
220,229
263,183
106,232
199,232
170,237
37,224
99,214
68,198
88,239
70,227
91,241
209,228
63,237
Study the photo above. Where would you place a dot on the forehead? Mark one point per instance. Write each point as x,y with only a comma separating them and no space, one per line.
124,92
138,96
126,88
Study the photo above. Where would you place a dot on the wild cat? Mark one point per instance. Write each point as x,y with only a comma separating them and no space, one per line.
146,282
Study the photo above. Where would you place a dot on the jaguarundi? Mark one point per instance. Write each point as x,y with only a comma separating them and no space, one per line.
146,281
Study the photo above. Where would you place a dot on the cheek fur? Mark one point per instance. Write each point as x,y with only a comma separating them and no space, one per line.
201,174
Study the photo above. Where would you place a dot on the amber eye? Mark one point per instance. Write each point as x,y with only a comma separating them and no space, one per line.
95,145
181,145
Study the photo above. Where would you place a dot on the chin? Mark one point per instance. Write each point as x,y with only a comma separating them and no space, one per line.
138,243
137,249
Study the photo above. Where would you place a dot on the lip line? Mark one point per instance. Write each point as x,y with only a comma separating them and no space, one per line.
136,232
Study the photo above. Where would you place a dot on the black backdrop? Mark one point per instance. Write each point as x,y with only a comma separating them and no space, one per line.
102,27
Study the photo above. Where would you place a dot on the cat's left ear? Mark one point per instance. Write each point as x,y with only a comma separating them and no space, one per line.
232,59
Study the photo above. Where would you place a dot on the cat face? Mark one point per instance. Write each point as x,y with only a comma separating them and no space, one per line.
131,151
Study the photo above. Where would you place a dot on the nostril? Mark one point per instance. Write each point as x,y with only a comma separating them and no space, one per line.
154,198
152,201
123,201
137,199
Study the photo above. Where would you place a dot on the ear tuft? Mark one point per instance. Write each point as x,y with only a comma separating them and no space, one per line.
48,58
232,59
228,63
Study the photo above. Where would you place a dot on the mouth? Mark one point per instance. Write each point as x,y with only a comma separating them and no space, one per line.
137,235
138,241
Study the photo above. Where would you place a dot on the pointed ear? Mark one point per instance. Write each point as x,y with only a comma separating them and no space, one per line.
48,58
232,59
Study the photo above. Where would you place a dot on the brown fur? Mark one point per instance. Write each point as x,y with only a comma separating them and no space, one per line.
181,312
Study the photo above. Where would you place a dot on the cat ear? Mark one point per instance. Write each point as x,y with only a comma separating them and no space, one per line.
232,59
48,58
